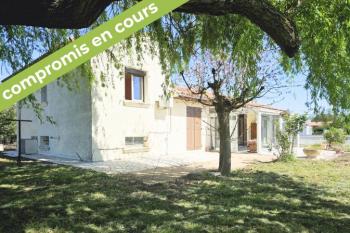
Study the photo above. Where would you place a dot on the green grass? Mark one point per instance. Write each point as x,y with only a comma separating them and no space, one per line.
346,147
303,196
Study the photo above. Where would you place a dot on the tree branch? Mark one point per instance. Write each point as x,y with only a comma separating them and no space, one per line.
260,12
79,14
51,13
201,91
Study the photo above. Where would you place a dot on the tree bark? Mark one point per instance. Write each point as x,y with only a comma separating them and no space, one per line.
51,13
291,151
260,12
225,141
79,14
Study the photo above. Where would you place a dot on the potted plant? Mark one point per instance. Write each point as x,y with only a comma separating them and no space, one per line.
313,151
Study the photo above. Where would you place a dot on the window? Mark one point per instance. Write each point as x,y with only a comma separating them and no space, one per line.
137,87
45,143
269,130
265,131
132,141
44,95
134,85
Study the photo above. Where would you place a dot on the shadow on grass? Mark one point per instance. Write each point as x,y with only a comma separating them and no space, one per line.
47,198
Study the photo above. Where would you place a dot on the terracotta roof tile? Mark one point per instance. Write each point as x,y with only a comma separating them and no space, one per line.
185,93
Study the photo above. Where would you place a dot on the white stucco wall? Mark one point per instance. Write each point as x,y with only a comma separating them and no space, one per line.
113,118
94,122
307,131
71,111
178,129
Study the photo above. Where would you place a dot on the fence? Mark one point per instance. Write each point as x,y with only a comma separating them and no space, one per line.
316,139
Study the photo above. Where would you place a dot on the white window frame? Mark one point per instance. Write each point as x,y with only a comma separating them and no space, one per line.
142,88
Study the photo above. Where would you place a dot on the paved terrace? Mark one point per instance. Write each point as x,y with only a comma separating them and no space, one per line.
156,165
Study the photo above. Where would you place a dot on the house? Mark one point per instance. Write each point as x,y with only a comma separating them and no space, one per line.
314,128
125,113
255,124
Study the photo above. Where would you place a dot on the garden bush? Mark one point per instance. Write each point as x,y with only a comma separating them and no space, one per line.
334,136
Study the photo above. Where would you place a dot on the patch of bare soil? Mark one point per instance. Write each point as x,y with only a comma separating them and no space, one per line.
167,174
344,159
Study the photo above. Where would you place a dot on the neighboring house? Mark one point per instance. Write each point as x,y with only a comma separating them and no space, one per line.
313,133
125,114
314,128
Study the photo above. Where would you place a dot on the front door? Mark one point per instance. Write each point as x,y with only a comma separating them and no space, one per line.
194,118
242,130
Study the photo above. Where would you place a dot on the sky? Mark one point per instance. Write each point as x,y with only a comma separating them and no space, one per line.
3,74
293,98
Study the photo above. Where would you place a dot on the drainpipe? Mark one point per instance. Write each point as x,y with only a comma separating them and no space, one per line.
19,125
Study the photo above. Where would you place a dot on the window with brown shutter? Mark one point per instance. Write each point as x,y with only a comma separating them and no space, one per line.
134,85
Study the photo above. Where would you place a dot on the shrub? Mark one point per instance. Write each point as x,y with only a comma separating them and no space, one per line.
293,124
286,158
334,136
283,143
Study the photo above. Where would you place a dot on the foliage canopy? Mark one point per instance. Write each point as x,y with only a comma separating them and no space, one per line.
323,28
334,136
7,128
293,124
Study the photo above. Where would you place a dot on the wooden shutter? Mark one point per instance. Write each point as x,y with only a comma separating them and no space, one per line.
253,131
128,92
190,127
194,118
197,128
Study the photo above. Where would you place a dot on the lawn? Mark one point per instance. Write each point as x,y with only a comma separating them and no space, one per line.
303,196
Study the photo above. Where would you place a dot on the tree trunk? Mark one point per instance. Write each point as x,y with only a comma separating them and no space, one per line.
292,145
225,142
